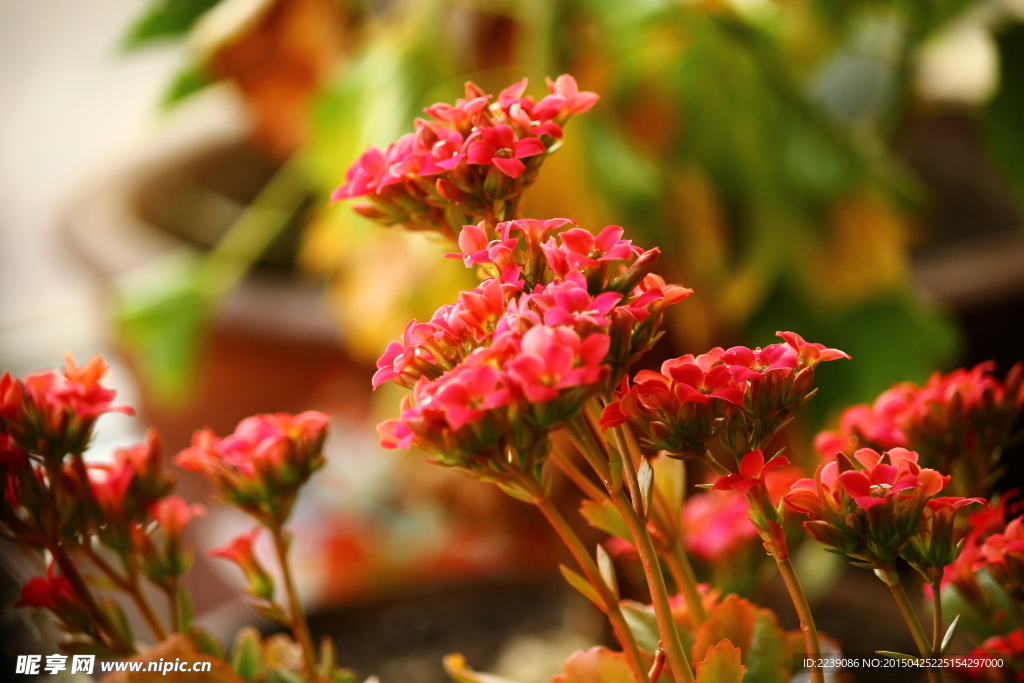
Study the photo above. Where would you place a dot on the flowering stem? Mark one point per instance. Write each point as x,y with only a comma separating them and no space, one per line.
937,617
297,617
649,559
70,572
803,611
173,603
916,630
576,476
592,574
129,583
676,560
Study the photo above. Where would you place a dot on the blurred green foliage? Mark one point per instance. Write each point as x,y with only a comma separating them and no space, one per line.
750,141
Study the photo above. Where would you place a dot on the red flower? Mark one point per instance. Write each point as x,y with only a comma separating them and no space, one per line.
261,466
751,474
240,551
498,146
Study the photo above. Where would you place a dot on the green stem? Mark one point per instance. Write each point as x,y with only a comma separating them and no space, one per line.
937,618
916,630
803,612
676,559
129,583
667,628
576,476
99,617
174,604
592,574
254,230
296,617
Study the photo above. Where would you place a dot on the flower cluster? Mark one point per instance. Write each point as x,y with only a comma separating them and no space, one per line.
466,160
877,507
561,318
52,413
957,422
741,396
262,465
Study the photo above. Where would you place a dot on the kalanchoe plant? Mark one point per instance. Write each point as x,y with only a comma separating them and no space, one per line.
119,522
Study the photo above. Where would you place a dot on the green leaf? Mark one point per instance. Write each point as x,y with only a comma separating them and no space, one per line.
245,655
165,19
721,664
583,586
205,642
184,609
283,676
162,315
117,617
270,612
670,482
607,569
605,517
515,493
645,478
643,623
457,670
187,82
947,640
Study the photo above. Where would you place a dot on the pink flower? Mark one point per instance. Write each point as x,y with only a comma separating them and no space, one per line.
716,524
586,251
565,99
173,513
498,146
261,466
554,358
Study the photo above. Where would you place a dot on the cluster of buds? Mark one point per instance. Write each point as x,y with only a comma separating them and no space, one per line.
560,319
469,162
261,466
742,397
957,422
877,507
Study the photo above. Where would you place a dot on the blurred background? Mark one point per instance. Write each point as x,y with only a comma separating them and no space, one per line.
851,171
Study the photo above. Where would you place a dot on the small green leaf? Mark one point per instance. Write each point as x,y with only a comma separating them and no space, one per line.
165,19
615,468
643,623
605,517
206,642
184,609
117,618
583,586
645,478
607,569
947,639
670,482
245,655
188,81
515,493
270,612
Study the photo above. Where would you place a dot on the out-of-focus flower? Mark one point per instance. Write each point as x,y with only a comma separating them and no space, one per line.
957,422
52,413
1003,555
1009,648
716,524
173,513
55,593
262,465
240,551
